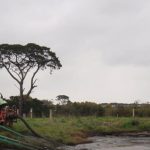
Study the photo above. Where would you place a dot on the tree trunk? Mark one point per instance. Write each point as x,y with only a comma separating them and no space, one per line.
21,100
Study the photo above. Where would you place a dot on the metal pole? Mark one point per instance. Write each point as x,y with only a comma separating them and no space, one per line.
50,114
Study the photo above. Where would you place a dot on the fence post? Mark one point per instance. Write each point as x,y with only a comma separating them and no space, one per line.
50,114
31,113
24,115
17,111
133,112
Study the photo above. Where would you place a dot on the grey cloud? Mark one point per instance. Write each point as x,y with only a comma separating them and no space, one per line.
95,40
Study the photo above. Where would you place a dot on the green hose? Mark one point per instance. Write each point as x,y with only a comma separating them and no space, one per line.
28,126
10,130
14,142
17,143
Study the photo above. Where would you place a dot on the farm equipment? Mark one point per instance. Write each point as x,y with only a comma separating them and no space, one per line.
8,115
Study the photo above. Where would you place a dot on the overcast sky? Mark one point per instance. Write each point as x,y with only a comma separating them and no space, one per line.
103,45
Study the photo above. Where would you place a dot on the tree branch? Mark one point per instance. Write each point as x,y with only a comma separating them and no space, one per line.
11,73
26,72
17,74
33,82
17,65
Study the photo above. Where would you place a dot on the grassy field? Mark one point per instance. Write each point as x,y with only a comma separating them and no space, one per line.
75,130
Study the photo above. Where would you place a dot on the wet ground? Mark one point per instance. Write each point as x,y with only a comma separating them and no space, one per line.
111,143
114,143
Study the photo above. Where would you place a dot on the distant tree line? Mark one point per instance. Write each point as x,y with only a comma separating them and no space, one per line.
126,110
40,107
65,107
80,109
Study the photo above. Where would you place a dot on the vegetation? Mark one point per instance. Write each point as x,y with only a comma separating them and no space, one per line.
42,107
73,122
68,108
19,61
74,130
62,99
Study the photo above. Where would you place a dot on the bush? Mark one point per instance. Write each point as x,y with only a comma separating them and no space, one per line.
131,123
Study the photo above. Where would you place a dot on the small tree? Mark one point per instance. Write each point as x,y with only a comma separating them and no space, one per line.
19,60
62,99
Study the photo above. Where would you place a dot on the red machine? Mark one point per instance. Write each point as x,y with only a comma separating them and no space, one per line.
8,115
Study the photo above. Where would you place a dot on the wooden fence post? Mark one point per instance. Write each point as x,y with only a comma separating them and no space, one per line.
17,111
31,113
50,114
133,112
24,115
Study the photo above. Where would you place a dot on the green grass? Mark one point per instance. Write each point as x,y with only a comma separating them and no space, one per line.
74,130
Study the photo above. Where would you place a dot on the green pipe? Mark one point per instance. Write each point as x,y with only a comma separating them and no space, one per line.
17,143
10,130
28,126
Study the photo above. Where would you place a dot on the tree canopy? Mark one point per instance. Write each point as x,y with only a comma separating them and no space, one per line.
62,99
19,60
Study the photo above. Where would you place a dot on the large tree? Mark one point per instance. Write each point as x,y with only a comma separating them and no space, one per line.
19,60
62,99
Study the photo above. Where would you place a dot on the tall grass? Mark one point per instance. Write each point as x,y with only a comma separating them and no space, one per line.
73,130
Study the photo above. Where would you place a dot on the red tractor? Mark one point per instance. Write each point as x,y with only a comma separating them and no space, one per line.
7,115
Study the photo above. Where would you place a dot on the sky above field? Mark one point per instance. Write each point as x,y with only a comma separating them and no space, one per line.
103,45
